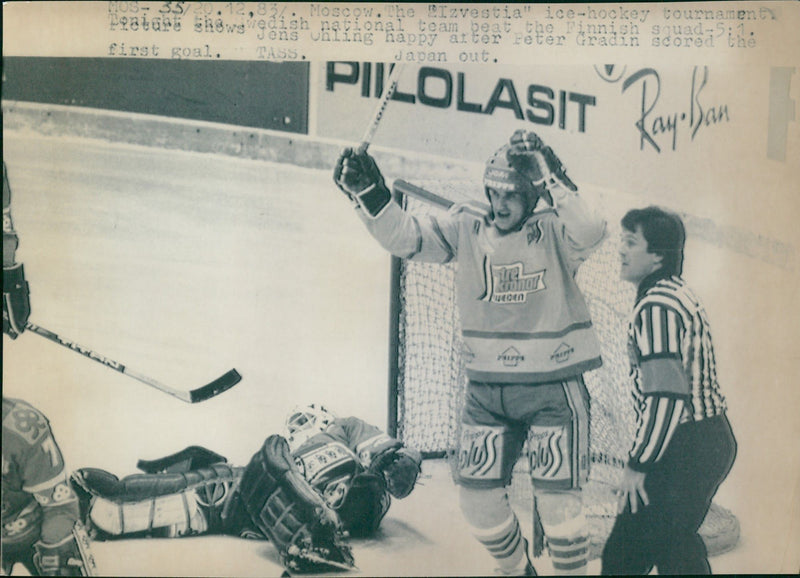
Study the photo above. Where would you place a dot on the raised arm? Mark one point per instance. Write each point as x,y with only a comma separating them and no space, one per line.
584,227
431,239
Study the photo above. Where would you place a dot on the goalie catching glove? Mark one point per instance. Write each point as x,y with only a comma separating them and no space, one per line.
400,468
285,508
357,175
528,155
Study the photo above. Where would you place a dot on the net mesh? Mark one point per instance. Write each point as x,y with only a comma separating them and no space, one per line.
431,379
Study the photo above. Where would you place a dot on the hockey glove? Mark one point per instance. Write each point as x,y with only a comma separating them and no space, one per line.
357,175
529,155
283,506
526,140
69,557
401,468
16,300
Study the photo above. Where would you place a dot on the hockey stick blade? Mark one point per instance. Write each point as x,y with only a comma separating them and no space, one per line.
213,389
219,385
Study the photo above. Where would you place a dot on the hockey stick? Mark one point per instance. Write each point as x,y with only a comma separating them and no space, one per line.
406,188
219,385
388,91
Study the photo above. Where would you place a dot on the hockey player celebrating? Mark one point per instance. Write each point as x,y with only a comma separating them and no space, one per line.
326,476
527,334
16,297
684,446
40,522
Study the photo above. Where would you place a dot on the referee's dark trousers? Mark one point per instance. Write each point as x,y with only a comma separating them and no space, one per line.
680,488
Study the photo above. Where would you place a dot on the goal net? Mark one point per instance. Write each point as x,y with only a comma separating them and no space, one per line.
429,382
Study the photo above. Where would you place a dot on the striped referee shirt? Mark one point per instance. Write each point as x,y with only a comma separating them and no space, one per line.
674,369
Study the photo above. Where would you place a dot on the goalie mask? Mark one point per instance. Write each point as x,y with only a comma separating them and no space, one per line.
306,422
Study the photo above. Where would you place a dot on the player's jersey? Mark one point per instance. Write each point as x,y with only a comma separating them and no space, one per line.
33,468
674,367
523,317
336,461
343,450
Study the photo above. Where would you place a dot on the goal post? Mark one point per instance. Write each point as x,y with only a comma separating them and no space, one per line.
395,311
426,377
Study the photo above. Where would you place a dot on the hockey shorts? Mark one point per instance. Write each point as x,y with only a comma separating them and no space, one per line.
500,419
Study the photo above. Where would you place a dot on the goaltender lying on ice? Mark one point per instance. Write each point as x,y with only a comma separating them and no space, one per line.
325,478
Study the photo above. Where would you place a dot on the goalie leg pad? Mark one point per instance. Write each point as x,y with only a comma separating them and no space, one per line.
186,460
176,514
137,487
170,504
285,508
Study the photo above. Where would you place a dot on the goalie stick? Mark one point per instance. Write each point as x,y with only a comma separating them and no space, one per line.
212,389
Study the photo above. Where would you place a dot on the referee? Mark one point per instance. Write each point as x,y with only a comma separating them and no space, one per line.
684,446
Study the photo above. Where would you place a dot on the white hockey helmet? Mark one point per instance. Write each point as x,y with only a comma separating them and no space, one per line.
304,422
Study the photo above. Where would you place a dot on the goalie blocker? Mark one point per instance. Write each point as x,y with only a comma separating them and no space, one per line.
284,507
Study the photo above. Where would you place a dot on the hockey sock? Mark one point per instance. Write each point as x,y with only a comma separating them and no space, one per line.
568,544
506,544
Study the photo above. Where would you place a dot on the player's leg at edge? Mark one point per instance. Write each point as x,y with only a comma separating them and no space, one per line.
495,525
